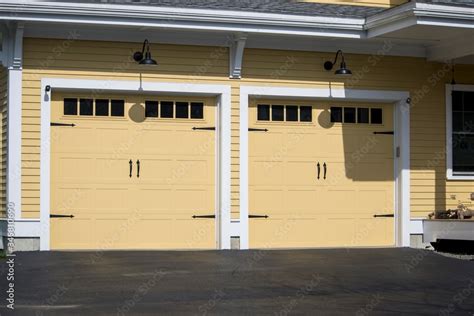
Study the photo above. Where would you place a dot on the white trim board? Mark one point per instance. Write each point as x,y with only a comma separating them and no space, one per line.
223,132
402,140
449,130
24,228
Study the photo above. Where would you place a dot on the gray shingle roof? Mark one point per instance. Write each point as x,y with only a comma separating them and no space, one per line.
264,6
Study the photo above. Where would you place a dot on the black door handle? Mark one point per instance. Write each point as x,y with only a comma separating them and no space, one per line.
319,169
131,167
325,170
138,168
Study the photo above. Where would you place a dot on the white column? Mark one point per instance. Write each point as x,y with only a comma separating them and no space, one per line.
14,141
225,169
403,178
244,168
13,59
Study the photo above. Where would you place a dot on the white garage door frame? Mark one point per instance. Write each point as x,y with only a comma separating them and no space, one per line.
223,139
401,101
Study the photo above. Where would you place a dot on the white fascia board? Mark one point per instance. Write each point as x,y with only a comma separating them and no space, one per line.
182,18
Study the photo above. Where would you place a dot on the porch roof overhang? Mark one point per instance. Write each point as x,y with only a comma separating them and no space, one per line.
416,29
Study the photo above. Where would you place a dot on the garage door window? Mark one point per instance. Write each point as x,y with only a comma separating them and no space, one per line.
349,115
356,115
102,107
363,115
291,113
86,106
182,110
151,109
306,114
284,113
376,116
118,107
91,107
197,110
70,106
172,109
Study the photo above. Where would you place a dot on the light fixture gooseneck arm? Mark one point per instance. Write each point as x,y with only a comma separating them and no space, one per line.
147,44
337,55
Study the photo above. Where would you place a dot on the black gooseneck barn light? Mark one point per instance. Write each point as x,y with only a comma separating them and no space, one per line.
144,57
343,70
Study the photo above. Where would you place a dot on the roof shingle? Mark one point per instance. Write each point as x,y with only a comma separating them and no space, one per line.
264,6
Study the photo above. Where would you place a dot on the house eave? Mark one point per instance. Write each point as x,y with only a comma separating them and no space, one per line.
413,13
181,18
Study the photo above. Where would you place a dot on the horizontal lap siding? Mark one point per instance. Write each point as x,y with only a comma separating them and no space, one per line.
111,61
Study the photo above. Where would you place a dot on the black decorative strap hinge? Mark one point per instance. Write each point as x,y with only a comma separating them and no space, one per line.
251,129
63,124
384,133
204,128
60,216
258,216
384,215
204,216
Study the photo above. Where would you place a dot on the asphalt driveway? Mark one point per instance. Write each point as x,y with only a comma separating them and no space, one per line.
312,282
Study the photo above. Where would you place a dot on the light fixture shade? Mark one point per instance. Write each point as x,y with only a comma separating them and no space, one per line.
343,70
148,60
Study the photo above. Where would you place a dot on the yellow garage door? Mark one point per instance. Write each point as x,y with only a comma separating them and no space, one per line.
321,174
132,172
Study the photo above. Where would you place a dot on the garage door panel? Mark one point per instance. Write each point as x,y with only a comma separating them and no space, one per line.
269,145
111,199
300,201
270,200
190,200
374,171
301,172
302,143
72,168
267,172
340,200
114,140
113,232
376,201
154,199
339,173
193,171
111,169
74,139
71,199
78,234
335,145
